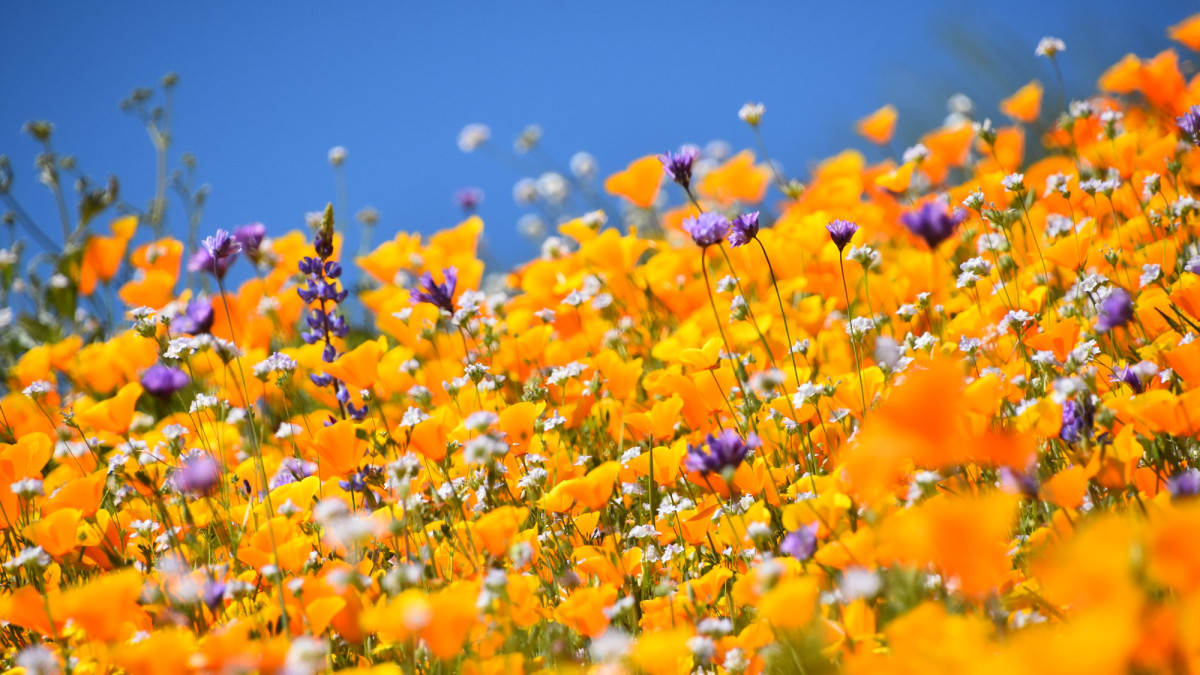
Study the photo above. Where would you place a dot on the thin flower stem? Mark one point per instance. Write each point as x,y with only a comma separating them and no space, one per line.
258,457
862,391
762,145
753,320
716,315
786,331
1062,85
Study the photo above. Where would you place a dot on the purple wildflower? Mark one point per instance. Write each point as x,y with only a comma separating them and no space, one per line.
197,475
1115,311
800,543
841,232
1130,377
251,238
707,228
1021,482
1077,420
356,413
196,319
725,451
934,222
679,165
1189,124
1184,484
203,261
743,229
438,295
163,381
221,245
291,470
468,199
214,593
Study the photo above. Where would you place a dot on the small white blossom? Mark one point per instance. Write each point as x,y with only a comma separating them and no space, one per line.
917,153
473,136
38,388
751,113
1049,47
413,417
1150,273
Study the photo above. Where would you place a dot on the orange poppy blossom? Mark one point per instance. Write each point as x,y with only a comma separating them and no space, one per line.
930,414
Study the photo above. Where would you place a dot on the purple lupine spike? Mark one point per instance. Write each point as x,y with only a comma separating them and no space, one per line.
1077,421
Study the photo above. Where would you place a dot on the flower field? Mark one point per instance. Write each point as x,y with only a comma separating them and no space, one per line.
937,414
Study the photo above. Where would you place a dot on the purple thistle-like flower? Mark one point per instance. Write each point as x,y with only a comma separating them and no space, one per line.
250,237
707,228
1115,311
468,199
196,319
221,245
197,474
1130,377
743,229
163,381
203,261
679,165
1184,484
720,453
841,232
1189,124
801,544
438,295
934,222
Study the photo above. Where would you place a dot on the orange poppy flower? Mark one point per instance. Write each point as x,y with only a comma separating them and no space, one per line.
1025,104
583,610
1187,32
878,126
114,414
103,255
737,180
639,182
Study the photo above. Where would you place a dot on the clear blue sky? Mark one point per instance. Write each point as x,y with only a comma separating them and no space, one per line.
268,88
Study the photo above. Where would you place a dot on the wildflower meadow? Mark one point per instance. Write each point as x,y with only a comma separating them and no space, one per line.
936,414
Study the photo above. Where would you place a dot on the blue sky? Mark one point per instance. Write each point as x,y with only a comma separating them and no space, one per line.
268,88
